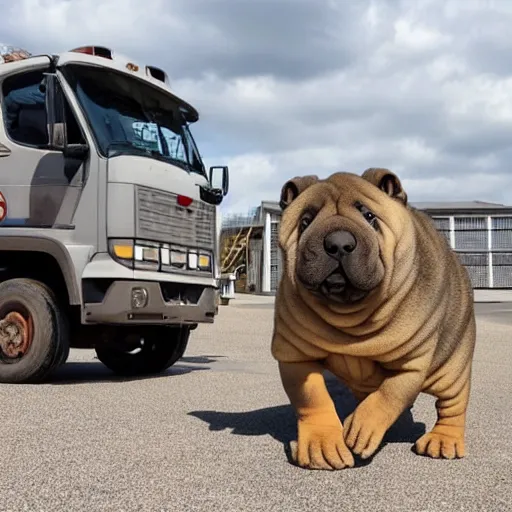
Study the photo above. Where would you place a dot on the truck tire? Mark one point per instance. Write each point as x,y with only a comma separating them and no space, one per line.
180,348
62,357
34,332
161,348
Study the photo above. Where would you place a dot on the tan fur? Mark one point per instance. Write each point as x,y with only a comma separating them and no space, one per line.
413,333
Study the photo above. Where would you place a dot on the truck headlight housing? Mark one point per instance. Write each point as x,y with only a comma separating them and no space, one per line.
156,256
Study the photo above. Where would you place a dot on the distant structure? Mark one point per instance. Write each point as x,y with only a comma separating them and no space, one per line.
241,245
480,233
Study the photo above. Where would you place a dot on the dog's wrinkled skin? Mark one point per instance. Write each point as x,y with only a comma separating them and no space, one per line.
372,292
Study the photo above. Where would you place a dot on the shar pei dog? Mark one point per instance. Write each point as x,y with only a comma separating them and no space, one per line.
371,292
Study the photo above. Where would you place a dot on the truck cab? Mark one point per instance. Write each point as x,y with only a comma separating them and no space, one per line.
108,216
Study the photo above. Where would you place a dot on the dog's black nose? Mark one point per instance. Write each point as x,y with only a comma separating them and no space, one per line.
339,244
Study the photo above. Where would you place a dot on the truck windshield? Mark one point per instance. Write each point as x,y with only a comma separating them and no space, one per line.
130,117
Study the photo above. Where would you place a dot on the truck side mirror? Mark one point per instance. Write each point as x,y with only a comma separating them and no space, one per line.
219,179
77,151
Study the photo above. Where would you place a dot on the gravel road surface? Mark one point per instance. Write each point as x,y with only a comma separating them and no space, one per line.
211,434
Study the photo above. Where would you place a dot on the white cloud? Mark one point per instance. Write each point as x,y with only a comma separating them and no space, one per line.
286,87
475,187
414,37
249,177
416,150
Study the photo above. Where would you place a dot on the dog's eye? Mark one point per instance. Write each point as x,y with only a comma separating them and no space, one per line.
367,214
305,221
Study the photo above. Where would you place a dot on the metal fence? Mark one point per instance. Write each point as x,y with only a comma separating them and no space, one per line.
235,221
276,264
484,246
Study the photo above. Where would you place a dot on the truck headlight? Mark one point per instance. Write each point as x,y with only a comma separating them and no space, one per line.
178,258
139,298
135,255
192,260
199,261
145,255
122,249
149,254
204,262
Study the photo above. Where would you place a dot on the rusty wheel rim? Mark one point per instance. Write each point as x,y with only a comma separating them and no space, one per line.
16,334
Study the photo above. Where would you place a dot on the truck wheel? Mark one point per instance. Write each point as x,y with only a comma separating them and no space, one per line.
151,350
63,355
183,337
34,336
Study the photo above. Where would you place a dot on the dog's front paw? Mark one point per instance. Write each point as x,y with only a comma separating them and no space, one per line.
321,445
366,426
444,442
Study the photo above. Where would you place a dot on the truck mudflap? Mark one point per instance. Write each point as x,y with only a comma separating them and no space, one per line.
152,302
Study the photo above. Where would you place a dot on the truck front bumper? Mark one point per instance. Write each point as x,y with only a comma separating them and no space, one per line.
148,302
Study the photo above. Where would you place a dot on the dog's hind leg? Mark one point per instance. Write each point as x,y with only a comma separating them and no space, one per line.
446,439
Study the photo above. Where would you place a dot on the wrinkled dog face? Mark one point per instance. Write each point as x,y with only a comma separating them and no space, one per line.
331,231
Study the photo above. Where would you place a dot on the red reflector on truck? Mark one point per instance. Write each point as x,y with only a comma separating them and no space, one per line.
184,201
99,51
3,207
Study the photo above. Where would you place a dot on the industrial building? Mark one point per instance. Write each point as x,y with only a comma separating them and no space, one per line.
480,233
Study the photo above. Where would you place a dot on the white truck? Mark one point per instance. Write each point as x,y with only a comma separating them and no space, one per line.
108,217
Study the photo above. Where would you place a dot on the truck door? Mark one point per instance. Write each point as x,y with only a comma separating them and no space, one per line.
40,185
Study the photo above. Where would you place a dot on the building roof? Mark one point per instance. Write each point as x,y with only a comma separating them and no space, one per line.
439,207
272,206
454,206
459,205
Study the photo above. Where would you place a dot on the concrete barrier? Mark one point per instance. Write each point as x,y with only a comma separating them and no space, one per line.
493,295
479,295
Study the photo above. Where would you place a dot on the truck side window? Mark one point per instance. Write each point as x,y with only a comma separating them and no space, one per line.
24,109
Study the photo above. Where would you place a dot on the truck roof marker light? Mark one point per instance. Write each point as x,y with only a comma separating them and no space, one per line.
184,201
97,51
132,67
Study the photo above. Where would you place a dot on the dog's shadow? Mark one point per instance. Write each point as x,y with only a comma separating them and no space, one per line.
280,421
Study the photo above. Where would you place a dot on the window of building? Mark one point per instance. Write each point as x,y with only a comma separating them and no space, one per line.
471,233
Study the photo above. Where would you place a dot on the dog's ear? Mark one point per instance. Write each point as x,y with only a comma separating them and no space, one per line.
292,188
387,181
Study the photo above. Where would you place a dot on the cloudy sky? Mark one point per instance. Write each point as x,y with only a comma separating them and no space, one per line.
287,87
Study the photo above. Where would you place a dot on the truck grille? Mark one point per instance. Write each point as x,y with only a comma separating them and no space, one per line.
160,218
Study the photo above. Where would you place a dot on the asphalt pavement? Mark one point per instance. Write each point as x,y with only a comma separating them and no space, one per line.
211,434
